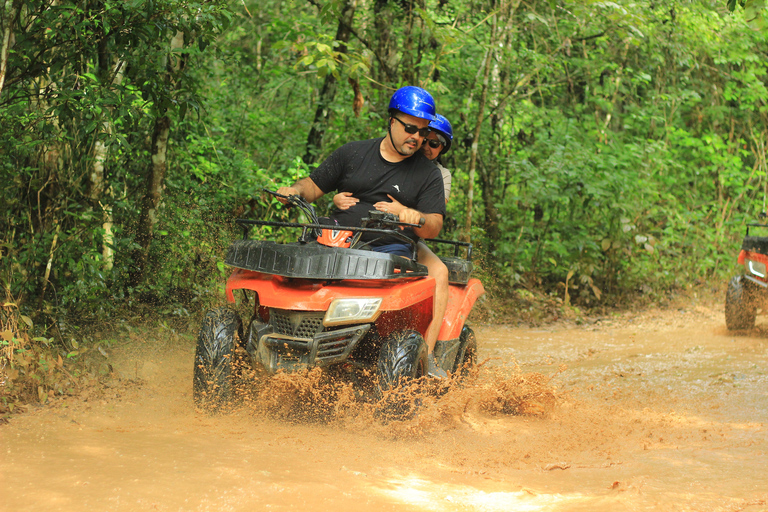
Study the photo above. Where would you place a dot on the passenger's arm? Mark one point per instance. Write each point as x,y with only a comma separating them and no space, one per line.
345,200
394,206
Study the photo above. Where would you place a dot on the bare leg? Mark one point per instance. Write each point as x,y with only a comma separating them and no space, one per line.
439,271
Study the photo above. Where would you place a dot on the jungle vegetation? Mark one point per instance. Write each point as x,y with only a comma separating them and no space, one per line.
604,150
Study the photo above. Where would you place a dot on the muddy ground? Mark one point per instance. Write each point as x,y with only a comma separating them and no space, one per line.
662,410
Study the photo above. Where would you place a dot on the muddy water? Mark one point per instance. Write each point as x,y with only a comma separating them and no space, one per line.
658,411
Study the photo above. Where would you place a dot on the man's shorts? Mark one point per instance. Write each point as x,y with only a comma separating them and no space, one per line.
397,249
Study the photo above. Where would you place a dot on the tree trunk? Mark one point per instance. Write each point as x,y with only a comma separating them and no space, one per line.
385,42
478,127
152,197
328,92
408,71
97,192
155,181
7,18
490,177
99,187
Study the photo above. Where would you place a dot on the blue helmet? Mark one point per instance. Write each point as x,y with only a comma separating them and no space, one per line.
443,127
413,101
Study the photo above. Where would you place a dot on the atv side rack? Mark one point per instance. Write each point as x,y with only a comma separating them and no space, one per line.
456,245
459,269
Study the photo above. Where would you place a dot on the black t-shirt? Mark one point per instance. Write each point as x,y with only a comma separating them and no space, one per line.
359,168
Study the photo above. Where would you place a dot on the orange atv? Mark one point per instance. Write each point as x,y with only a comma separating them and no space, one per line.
328,301
748,292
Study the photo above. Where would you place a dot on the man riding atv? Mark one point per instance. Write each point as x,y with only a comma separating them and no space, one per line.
352,297
393,165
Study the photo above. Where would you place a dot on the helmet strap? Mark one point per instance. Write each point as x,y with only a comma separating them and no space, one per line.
389,131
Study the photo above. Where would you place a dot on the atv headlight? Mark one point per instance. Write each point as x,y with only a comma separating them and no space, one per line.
349,311
757,268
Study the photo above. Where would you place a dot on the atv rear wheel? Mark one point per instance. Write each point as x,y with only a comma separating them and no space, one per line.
214,358
466,357
402,359
740,307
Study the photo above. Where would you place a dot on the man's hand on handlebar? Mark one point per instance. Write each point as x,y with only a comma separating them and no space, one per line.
286,191
411,216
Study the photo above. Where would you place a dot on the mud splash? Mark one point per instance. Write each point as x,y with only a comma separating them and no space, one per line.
431,407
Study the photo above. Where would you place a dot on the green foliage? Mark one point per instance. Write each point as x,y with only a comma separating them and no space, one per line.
76,120
755,12
621,149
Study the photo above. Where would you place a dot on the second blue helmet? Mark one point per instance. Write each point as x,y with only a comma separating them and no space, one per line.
442,126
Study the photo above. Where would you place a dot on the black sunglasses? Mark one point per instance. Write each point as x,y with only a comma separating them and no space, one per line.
434,144
412,128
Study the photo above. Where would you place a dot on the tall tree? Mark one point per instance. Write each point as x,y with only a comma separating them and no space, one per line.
8,11
480,117
153,193
330,84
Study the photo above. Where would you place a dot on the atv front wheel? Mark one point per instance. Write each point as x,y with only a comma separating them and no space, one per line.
740,307
213,372
402,359
466,357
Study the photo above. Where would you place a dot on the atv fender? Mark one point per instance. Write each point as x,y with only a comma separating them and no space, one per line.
284,293
461,298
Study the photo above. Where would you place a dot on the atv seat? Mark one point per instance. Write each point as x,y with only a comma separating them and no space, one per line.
459,270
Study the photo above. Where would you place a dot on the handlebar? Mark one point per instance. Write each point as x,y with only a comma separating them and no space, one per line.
293,199
391,219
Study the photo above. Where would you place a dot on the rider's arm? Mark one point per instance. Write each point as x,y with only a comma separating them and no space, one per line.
430,206
305,188
432,225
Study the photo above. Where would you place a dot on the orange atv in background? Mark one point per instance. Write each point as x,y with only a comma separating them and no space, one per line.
328,301
748,292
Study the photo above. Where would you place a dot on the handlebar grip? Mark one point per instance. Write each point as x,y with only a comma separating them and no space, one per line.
293,199
265,189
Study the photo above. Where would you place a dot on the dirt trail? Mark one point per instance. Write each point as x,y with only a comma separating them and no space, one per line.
660,411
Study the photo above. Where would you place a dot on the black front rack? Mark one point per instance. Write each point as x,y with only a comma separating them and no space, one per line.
315,261
307,259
